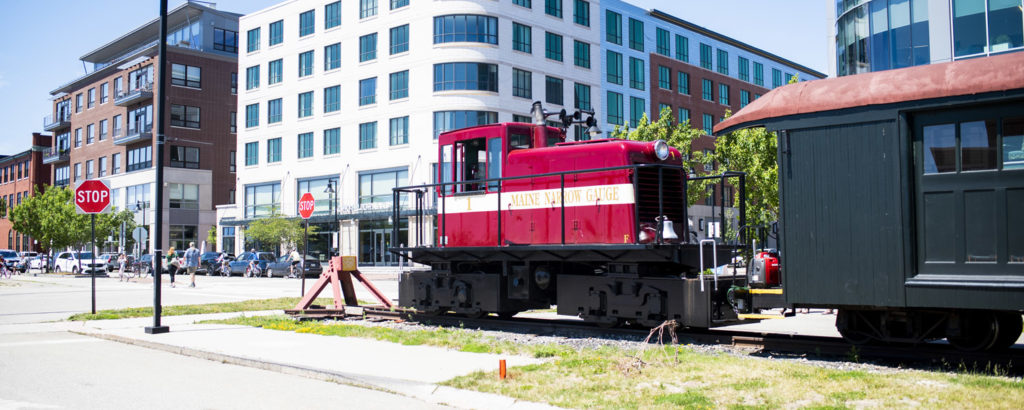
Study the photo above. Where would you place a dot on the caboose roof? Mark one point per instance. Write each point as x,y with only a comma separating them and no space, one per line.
958,78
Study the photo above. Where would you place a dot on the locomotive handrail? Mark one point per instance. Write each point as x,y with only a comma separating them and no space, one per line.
442,190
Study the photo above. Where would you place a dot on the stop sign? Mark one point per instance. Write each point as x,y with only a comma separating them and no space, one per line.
306,205
92,197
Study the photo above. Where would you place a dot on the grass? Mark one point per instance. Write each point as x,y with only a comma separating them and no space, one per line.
677,376
243,306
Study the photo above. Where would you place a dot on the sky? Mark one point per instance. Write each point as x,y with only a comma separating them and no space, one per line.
45,39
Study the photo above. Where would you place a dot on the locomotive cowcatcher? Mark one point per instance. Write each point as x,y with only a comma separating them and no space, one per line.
599,228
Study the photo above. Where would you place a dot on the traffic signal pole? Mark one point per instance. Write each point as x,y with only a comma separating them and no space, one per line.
161,75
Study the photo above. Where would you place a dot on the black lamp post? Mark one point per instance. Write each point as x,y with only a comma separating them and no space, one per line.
331,193
141,206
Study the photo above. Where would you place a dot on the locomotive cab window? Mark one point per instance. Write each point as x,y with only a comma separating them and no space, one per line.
494,159
472,164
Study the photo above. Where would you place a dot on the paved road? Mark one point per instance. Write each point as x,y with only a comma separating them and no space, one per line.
64,370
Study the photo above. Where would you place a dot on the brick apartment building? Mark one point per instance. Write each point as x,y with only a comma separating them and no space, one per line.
103,121
20,174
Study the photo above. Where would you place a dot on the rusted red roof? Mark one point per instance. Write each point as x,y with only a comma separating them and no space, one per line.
964,77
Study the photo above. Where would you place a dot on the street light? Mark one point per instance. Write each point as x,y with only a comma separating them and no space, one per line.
141,206
331,193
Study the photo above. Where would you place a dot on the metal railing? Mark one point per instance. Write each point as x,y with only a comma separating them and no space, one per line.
420,192
53,121
53,154
133,93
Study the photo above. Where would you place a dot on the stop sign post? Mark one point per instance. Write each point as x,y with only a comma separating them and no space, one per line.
92,197
306,205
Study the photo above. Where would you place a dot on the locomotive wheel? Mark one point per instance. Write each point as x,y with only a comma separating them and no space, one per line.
979,331
851,325
1010,326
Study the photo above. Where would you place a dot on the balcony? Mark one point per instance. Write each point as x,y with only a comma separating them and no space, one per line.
62,120
54,155
135,134
132,96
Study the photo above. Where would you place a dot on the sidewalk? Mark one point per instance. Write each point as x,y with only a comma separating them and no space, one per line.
406,370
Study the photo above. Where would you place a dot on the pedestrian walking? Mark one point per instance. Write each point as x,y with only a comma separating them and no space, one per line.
172,264
192,263
121,261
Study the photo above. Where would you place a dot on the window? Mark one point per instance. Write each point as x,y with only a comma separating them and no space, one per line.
637,107
683,83
708,123
400,39
523,3
368,91
368,47
306,63
553,46
707,90
744,98
705,56
466,76
184,157
252,115
252,42
743,65
399,131
332,141
184,116
636,73
664,46
399,85
185,75
231,163
758,74
368,135
664,78
78,103
581,54
395,4
181,235
252,77
322,200
273,150
305,145
581,96
118,86
90,135
140,120
522,38
92,97
553,8
451,120
613,30
581,13
332,57
684,115
787,78
252,152
140,158
103,129
367,8
232,122
375,187
117,126
183,196
225,40
78,173
276,71
615,109
723,62
465,27
262,200
305,104
332,99
332,15
88,171
228,238
274,111
115,164
522,83
276,32
553,90
682,49
614,67
662,107
777,80
61,176
234,83
307,23
723,94
104,92
636,35
78,137
136,195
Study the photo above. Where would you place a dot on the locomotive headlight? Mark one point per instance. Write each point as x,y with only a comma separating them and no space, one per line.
661,149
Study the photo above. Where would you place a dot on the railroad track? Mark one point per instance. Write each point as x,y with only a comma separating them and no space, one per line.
923,356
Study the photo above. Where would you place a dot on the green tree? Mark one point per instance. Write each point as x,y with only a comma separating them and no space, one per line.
276,230
211,238
752,151
49,216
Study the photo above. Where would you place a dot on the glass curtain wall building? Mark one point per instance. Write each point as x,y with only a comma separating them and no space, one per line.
874,35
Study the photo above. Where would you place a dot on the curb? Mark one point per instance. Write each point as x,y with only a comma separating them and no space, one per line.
431,393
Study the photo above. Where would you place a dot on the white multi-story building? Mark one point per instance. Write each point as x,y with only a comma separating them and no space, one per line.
352,95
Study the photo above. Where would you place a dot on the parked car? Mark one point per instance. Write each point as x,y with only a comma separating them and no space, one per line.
23,261
281,265
239,264
208,262
110,261
40,262
78,262
11,258
145,264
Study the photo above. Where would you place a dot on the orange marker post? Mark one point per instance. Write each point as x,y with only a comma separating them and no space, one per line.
501,369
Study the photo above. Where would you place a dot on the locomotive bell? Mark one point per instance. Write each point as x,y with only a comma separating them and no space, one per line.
668,232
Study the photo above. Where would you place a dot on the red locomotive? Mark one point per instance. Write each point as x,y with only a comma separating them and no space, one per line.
528,220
